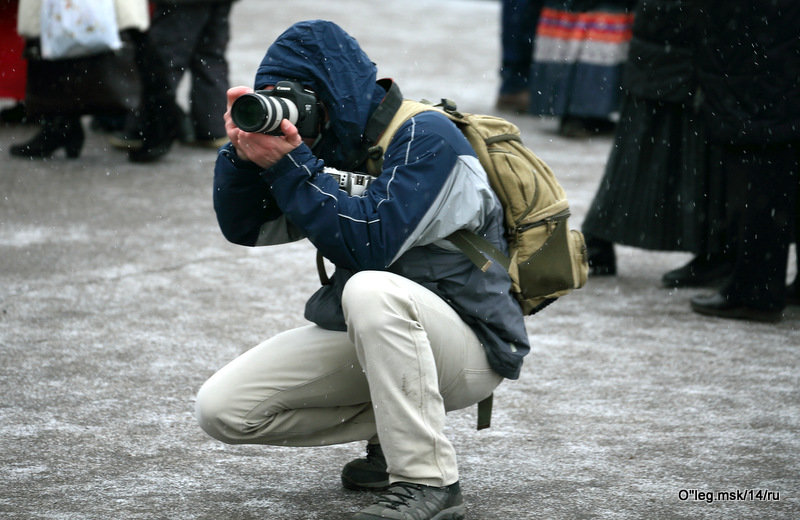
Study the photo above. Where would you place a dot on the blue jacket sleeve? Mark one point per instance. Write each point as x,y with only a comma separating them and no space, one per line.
242,200
367,231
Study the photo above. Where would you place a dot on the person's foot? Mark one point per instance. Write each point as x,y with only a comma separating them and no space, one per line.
602,259
407,501
517,102
580,127
15,115
722,306
367,474
701,271
793,292
126,140
58,132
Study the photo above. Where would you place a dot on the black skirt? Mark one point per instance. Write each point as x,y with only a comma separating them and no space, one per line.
663,188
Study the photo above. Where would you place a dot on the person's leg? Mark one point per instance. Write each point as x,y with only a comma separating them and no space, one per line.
793,291
155,124
756,289
420,360
303,387
174,33
209,68
518,31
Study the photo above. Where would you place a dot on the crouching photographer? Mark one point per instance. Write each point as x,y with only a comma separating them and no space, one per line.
407,328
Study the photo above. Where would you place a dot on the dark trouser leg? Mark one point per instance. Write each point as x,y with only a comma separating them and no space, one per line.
210,74
157,120
765,178
174,34
519,19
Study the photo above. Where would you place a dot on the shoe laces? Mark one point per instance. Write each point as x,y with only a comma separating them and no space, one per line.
399,494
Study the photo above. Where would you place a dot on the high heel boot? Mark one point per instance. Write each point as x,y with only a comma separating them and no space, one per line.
55,133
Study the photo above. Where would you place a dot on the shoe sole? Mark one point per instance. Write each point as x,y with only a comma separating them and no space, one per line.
370,486
452,513
740,313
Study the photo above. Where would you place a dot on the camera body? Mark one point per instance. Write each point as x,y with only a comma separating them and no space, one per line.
263,110
353,183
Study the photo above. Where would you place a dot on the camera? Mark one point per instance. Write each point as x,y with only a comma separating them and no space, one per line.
353,183
263,110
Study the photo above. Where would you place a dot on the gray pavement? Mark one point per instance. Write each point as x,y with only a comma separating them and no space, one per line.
119,297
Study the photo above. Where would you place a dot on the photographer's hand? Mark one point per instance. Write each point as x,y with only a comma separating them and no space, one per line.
264,150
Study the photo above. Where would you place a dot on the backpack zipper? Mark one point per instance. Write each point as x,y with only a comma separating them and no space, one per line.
549,221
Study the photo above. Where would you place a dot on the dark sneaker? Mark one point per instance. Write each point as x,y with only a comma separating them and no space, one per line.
368,474
407,501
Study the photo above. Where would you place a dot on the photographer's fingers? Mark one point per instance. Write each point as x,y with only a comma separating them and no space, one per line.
231,129
235,92
291,134
265,150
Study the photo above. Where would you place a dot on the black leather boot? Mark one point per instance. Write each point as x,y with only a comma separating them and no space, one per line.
723,305
161,126
56,132
701,271
602,260
367,474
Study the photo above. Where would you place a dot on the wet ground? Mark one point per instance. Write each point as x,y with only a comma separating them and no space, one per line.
119,297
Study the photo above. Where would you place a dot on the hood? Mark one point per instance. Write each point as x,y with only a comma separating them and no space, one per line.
322,56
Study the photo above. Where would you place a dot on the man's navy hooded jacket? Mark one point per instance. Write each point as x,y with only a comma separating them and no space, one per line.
431,185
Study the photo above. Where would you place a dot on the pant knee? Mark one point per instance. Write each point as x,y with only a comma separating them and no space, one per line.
370,298
215,417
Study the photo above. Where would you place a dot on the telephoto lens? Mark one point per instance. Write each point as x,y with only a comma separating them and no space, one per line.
257,112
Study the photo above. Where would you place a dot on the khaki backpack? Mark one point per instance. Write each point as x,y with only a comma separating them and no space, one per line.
547,259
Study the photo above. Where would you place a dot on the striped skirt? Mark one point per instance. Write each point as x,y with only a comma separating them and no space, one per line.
578,59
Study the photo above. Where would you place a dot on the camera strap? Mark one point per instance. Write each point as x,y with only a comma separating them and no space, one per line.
376,124
382,115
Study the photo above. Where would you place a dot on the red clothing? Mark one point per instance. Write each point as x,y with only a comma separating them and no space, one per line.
13,68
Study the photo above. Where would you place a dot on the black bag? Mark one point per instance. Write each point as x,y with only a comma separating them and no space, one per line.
105,83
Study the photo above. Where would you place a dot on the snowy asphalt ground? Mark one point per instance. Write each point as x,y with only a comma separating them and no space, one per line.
119,297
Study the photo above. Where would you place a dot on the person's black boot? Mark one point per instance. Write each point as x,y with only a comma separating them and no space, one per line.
701,271
160,129
15,115
367,474
723,305
57,132
602,260
407,501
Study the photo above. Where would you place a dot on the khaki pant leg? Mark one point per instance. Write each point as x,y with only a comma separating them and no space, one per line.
420,360
303,387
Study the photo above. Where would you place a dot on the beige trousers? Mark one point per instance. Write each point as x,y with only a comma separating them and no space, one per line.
406,359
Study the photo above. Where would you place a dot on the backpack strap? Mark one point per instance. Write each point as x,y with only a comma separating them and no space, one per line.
478,248
406,111
485,412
